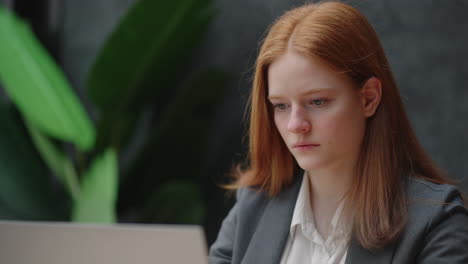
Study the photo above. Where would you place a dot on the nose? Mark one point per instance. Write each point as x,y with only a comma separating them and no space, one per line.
299,121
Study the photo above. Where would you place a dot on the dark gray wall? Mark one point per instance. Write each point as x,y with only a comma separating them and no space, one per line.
86,24
426,45
425,41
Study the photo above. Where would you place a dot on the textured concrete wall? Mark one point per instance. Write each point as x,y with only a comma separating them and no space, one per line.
425,41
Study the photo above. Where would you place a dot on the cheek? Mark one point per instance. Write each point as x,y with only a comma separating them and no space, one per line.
344,127
331,127
281,125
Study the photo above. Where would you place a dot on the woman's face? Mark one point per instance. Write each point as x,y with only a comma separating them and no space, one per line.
318,112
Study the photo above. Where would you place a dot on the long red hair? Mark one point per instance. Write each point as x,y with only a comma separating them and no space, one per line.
342,38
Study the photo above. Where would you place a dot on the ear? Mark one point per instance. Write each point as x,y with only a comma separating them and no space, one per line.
370,94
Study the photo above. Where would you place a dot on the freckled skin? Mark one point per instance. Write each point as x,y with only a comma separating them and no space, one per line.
335,120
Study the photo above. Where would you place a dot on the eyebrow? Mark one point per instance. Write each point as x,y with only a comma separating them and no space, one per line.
270,97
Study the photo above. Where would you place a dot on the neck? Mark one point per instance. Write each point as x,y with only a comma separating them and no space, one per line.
329,186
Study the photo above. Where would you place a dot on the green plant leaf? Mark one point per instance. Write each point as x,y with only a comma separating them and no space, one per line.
141,61
26,189
56,160
96,202
38,87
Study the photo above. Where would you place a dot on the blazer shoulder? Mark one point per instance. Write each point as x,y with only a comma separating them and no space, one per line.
436,220
250,200
431,203
436,231
423,190
246,192
249,193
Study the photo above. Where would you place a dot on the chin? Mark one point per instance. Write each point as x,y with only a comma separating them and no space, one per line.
309,165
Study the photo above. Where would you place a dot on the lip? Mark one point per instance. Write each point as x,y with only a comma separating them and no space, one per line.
304,146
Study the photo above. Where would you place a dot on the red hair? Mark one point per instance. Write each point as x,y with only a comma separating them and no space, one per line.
340,36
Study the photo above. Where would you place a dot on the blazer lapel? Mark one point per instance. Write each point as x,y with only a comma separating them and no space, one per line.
267,243
358,254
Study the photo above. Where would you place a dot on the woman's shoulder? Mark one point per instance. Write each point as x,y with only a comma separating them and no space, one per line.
251,198
254,199
244,192
428,201
431,205
437,219
422,189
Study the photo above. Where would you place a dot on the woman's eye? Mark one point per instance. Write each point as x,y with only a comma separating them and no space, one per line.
281,106
318,102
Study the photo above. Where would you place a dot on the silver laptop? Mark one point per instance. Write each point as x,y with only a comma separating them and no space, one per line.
67,243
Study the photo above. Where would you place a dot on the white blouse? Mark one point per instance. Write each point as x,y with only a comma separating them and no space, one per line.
305,244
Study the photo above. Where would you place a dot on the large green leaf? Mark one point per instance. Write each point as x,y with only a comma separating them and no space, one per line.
57,161
96,202
38,87
142,59
26,189
177,146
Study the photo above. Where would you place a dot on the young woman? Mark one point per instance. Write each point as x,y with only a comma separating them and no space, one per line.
336,174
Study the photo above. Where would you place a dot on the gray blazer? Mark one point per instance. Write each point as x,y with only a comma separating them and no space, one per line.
257,227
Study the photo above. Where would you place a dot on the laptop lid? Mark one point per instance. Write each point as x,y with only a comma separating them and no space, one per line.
71,243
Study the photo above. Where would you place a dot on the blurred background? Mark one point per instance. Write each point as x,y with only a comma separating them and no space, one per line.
137,114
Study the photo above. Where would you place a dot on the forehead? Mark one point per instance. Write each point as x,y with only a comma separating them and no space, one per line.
293,73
